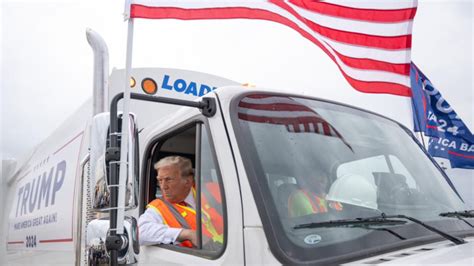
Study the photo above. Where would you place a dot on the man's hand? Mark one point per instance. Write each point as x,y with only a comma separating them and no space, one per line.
188,234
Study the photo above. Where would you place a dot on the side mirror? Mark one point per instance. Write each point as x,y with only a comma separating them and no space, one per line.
100,140
97,232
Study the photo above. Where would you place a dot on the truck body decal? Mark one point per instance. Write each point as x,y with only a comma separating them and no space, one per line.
42,213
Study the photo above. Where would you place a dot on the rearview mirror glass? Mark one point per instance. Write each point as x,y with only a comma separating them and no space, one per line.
100,141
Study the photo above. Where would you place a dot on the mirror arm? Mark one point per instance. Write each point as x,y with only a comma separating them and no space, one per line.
207,105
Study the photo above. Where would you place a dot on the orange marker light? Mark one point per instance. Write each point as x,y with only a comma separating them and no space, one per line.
132,82
149,86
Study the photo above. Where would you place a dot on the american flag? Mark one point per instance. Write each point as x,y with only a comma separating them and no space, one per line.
369,40
281,110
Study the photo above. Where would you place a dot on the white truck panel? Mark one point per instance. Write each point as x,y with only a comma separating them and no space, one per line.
440,253
41,209
257,251
250,215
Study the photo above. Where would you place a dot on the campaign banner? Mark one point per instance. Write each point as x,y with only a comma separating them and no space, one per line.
41,217
459,152
450,138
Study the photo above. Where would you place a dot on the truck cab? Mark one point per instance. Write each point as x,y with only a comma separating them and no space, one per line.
266,150
299,180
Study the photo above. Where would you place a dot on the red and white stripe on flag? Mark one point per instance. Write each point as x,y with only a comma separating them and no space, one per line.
278,110
369,40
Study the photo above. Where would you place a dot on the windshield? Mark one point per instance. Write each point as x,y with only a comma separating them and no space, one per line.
311,161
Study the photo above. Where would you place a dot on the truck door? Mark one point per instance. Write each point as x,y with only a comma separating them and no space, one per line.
204,142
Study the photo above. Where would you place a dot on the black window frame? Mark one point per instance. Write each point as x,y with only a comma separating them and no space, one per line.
153,147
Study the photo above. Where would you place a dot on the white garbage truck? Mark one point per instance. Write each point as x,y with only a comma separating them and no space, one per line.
381,197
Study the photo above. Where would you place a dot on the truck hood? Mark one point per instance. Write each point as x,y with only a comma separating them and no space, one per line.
435,253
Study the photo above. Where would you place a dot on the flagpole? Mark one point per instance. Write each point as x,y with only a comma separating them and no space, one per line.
125,130
422,139
414,111
417,121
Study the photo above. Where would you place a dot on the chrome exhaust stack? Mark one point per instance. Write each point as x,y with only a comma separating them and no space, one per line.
101,72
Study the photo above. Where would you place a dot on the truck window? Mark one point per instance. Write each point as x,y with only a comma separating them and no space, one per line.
312,162
399,168
213,215
193,143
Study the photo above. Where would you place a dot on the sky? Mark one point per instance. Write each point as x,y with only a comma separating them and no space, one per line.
46,62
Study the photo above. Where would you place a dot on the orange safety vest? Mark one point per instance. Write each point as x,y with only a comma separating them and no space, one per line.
169,218
319,204
210,202
212,221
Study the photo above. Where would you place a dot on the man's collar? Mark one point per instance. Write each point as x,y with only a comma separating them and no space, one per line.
190,199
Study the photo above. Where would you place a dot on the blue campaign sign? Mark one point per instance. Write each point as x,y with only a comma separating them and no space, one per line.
459,152
450,137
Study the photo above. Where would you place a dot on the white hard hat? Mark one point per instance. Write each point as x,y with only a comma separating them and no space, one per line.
354,190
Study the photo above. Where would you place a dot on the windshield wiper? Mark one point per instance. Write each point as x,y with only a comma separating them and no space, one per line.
383,219
460,215
465,213
371,223
356,222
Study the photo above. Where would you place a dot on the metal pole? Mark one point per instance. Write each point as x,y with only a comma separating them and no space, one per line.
417,121
101,72
117,202
113,176
421,131
125,128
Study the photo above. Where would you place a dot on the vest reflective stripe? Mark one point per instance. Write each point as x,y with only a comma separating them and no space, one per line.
189,215
212,205
179,216
214,189
319,204
208,224
211,219
171,221
315,202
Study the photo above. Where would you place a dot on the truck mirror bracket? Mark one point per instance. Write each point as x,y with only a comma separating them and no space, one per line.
114,242
112,154
209,109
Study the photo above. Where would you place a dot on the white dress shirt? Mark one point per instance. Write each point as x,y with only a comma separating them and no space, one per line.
153,230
